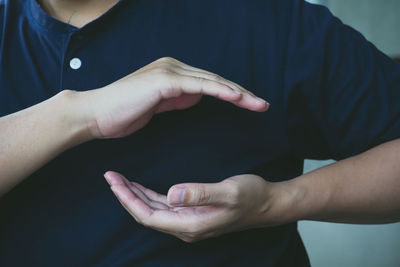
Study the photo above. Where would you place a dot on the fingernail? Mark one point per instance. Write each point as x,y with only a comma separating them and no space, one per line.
261,100
177,196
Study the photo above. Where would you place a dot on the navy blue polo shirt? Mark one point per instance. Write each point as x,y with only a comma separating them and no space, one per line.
332,95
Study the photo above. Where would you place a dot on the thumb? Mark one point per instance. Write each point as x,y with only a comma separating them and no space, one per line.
191,194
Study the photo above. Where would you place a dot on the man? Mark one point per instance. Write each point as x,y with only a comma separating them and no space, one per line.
232,172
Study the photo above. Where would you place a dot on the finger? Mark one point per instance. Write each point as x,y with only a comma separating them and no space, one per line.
182,102
189,70
154,204
166,221
173,222
248,99
114,178
151,194
160,220
257,104
190,84
208,75
198,85
133,204
126,208
192,194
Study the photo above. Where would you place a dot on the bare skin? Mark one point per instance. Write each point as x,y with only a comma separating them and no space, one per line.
361,189
77,12
27,142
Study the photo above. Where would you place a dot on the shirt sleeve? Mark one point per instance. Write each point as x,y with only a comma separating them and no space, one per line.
341,94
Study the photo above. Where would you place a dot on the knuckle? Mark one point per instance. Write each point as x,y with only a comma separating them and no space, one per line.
164,77
200,79
233,195
163,70
224,87
220,86
218,77
202,82
166,59
202,195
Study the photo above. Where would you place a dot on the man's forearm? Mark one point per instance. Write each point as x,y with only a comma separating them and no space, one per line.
32,137
361,189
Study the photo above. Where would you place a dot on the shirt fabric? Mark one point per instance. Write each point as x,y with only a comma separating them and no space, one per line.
332,95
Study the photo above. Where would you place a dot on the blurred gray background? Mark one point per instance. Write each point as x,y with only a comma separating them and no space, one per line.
331,244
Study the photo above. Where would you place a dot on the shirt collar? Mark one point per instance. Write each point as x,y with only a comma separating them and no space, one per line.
47,22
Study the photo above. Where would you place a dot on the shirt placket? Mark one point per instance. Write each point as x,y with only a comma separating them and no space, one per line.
73,62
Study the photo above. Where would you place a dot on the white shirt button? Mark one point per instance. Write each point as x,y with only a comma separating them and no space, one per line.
75,63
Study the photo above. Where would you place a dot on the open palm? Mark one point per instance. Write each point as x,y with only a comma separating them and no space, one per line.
219,208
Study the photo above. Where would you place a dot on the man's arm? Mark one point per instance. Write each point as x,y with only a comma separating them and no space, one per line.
32,137
361,189
341,98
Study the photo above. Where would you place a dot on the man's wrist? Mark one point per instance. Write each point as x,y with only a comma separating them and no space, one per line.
73,117
287,200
